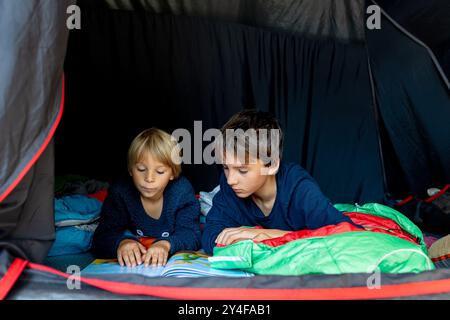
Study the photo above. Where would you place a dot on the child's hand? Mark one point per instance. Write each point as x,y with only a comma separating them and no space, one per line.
157,254
232,235
130,253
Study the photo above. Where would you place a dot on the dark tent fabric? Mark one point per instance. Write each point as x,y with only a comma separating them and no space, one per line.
305,81
32,51
364,111
242,67
341,20
414,105
427,20
31,83
27,223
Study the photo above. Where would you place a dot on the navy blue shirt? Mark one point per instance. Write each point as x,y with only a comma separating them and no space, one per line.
299,204
123,211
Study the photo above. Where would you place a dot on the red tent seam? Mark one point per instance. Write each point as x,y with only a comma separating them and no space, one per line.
44,145
12,274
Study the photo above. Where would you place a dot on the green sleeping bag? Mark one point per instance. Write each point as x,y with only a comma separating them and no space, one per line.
347,252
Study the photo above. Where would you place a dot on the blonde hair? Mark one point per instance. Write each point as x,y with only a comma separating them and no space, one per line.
160,145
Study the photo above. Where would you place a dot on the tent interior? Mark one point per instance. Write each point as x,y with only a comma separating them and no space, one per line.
313,76
364,111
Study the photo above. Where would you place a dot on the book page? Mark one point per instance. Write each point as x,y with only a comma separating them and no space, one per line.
196,264
102,266
181,264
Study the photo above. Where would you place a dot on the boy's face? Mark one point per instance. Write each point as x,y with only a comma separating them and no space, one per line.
246,178
151,177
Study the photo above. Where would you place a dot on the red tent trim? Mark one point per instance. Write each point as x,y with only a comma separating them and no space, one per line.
345,293
44,145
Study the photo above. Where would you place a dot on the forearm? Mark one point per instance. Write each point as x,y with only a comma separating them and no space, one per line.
274,233
232,235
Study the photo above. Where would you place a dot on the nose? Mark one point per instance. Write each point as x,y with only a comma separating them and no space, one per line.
231,179
149,177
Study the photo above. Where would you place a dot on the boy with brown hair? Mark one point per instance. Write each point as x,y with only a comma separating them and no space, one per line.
258,190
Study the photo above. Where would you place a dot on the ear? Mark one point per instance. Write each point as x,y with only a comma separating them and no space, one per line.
171,177
273,168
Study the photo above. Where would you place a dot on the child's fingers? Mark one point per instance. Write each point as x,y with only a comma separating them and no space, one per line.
242,234
157,258
119,258
223,235
236,240
164,260
137,254
150,258
126,259
160,258
230,236
147,259
220,236
261,237
154,259
142,248
131,258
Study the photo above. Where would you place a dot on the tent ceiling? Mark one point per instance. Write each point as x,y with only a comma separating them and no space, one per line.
336,19
428,20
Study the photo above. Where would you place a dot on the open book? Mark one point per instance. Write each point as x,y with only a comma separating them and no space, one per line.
181,264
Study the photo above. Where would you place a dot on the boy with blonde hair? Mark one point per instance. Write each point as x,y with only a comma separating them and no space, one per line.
155,201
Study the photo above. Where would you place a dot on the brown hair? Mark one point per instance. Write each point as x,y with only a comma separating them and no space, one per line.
266,132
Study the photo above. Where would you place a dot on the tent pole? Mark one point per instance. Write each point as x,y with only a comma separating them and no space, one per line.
418,41
377,119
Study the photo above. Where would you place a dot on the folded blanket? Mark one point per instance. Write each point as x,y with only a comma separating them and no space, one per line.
206,200
439,252
75,221
73,240
76,209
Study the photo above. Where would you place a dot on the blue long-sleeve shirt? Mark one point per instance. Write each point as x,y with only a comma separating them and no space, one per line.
299,204
123,217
